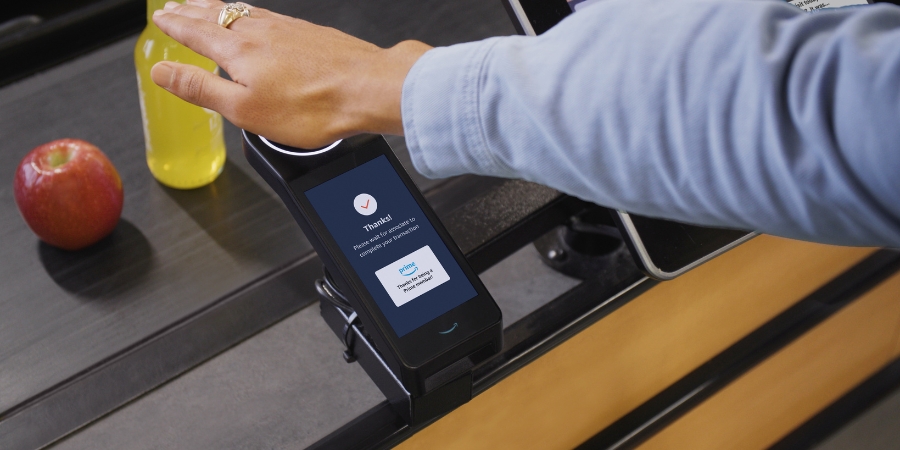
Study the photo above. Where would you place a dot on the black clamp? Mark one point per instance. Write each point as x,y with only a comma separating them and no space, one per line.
325,288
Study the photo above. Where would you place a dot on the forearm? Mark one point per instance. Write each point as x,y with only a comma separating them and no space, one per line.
746,114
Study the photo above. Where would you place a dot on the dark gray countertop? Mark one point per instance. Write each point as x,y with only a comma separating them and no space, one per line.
172,252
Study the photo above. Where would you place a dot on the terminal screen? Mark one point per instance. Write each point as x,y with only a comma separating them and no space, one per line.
392,246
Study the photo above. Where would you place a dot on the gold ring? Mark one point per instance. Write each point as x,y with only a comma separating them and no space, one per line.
231,12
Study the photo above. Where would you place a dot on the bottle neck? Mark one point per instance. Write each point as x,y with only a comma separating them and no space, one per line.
153,5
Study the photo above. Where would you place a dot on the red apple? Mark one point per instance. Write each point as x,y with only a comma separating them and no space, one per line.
69,193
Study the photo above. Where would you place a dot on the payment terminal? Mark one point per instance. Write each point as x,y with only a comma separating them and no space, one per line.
421,306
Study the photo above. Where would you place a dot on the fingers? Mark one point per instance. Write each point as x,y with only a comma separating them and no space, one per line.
195,11
201,36
255,11
198,86
215,4
209,10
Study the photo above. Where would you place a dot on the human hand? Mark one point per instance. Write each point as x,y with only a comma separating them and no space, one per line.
293,82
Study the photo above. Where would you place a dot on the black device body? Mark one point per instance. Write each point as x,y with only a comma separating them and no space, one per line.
416,356
662,249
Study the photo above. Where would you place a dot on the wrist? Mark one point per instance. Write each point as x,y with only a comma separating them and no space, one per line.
379,92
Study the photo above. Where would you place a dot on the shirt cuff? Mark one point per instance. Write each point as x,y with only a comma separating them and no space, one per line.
440,111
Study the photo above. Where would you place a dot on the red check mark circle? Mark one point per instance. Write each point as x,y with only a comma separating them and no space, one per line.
365,204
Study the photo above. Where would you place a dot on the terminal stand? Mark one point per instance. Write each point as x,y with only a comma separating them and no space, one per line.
444,391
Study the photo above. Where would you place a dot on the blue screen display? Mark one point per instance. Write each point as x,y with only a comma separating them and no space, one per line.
394,249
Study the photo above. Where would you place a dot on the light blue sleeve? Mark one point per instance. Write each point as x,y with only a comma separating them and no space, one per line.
748,114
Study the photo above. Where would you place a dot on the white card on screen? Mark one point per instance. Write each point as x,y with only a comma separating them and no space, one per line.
412,275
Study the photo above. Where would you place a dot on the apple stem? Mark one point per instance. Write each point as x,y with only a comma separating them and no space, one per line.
57,159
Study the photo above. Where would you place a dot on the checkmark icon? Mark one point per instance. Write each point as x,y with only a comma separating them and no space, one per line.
365,204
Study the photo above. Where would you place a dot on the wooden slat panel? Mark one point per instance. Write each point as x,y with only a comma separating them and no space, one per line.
575,390
787,389
896,353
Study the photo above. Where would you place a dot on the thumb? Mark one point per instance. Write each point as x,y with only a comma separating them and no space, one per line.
195,85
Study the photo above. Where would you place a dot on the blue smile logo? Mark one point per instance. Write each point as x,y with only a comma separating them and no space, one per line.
409,269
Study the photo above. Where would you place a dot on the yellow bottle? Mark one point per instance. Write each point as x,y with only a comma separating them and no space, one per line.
185,147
